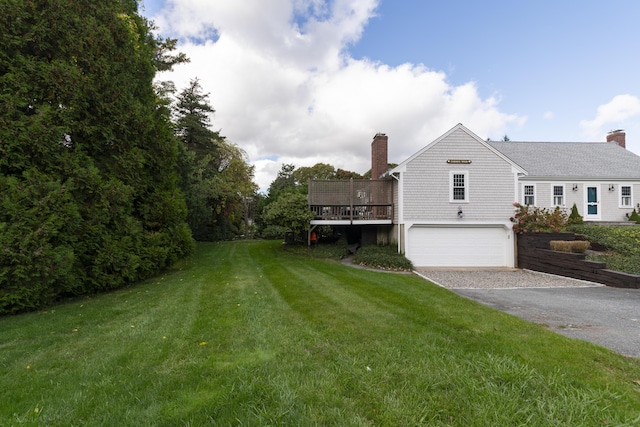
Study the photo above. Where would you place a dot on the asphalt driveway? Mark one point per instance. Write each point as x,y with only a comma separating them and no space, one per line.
603,315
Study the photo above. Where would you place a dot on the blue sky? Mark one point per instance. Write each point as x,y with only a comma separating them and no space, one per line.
306,81
539,57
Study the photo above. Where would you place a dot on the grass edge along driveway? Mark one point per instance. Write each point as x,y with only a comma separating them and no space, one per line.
246,334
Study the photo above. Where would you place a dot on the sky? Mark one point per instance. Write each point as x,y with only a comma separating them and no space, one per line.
308,81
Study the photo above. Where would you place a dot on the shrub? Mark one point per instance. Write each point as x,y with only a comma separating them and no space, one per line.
290,211
38,227
574,216
634,217
335,250
575,246
273,232
531,219
623,244
382,257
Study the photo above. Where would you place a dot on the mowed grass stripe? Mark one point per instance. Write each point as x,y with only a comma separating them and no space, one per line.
247,334
459,325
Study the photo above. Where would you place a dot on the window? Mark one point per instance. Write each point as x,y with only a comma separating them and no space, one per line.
625,196
459,186
529,195
558,195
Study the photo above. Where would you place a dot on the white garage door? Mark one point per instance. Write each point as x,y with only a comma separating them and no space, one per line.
458,246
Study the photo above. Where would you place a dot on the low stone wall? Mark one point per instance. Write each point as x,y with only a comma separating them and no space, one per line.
534,254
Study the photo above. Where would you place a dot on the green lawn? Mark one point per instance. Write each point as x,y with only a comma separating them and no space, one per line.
245,334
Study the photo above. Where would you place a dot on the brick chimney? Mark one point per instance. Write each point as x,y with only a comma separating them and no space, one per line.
379,162
617,136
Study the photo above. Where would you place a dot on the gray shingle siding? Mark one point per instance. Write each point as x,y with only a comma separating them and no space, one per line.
609,208
427,182
576,163
396,203
496,166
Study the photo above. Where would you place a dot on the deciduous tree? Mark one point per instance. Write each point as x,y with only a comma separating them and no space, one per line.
290,212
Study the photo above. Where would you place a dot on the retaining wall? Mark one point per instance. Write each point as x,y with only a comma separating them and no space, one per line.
534,254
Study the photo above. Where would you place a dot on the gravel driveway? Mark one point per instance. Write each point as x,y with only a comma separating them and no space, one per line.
498,279
603,315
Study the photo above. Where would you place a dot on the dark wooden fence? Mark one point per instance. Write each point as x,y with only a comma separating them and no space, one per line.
534,254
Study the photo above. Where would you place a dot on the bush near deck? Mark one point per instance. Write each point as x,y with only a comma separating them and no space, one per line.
382,257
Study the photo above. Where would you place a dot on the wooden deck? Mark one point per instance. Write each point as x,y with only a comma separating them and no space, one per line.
351,202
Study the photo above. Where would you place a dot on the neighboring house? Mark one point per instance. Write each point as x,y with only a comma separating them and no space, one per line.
449,204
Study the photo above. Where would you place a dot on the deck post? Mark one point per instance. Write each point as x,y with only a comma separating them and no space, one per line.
351,200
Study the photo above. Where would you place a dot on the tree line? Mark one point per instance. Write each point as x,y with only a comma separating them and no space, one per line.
107,176
103,180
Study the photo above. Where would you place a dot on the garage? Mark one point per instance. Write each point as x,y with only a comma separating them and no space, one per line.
460,246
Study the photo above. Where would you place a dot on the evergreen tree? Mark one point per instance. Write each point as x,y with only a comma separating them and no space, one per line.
193,122
575,217
215,176
285,182
87,156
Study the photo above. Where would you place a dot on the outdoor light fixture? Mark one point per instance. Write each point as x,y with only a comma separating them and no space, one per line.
460,213
575,187
612,187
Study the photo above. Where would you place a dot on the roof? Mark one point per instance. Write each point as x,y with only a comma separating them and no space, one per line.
459,127
586,160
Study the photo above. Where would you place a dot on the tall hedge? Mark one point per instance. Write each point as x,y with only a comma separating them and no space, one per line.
89,196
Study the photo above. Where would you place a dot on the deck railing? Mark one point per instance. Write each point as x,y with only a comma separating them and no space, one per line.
355,199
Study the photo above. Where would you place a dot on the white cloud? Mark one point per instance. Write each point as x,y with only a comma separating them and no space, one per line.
548,115
287,91
612,114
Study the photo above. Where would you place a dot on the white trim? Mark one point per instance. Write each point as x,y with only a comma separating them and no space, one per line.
598,202
535,198
507,227
401,198
516,185
630,205
465,174
349,222
553,195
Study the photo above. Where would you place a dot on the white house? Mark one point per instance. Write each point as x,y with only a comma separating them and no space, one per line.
451,202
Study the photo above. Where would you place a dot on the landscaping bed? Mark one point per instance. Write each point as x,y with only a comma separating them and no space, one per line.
620,246
383,257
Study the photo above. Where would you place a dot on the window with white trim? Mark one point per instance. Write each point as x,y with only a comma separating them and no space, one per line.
558,195
625,196
459,186
529,192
